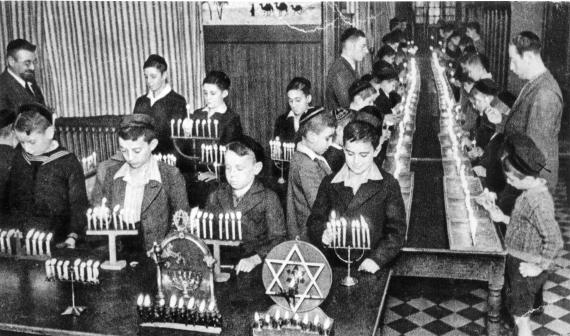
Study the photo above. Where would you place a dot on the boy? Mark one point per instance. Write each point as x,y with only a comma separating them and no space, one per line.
533,237
387,82
262,215
7,143
362,190
308,168
334,155
149,191
46,185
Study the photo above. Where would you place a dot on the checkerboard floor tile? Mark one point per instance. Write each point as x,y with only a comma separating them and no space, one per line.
418,306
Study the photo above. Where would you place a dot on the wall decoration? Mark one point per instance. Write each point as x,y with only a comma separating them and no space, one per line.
261,13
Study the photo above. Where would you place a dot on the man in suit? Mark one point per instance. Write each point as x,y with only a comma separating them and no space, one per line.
17,83
342,72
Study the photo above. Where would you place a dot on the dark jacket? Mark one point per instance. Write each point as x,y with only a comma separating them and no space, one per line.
171,106
491,161
48,193
160,200
6,159
383,102
379,202
339,78
12,94
263,222
537,112
285,128
335,158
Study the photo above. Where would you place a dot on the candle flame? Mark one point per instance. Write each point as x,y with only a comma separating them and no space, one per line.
147,302
256,316
173,300
306,318
202,306
327,323
316,320
296,317
212,306
191,303
181,303
140,299
267,318
286,315
277,315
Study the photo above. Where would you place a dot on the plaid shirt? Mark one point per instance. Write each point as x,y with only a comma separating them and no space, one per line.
533,235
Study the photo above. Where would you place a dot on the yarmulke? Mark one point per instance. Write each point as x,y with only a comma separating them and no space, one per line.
370,118
341,114
486,86
524,155
311,113
38,108
138,120
6,118
358,86
386,73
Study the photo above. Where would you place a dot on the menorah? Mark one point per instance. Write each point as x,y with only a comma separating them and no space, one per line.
80,272
274,324
35,244
185,281
281,153
169,159
100,222
359,231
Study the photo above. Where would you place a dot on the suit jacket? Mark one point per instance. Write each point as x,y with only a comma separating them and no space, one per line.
491,161
383,103
263,221
160,200
12,94
339,78
379,202
537,112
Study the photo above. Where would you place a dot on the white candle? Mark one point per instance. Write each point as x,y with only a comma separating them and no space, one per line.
172,127
216,127
41,243
215,146
209,128
344,234
203,127
48,243
358,237
233,217
115,218
88,265
2,245
52,267
220,219
363,234
76,264
66,270
211,225
122,219
35,242
89,215
178,124
82,271
8,240
227,219
48,266
203,156
197,121
238,216
96,271
191,126
28,238
204,219
198,217
353,233
59,268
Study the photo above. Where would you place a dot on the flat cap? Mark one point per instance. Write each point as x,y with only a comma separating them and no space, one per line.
524,155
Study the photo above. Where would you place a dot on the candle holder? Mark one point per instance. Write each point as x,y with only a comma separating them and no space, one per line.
89,164
76,272
169,159
281,154
34,245
100,222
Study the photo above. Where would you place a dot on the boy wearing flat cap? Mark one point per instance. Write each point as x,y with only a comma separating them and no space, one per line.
308,168
533,237
149,191
262,214
46,186
7,143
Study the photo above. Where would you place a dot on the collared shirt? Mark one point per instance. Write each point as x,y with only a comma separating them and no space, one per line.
351,62
161,95
134,192
311,154
337,146
373,174
296,120
21,81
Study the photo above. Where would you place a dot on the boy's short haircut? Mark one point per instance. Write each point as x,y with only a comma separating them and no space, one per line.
391,38
372,115
316,119
247,146
385,51
527,41
361,88
394,22
300,83
351,33
219,79
477,58
476,26
156,61
361,131
137,125
465,41
33,117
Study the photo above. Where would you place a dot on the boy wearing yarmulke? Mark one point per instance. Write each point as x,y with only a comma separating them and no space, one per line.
46,186
149,191
533,237
262,214
308,168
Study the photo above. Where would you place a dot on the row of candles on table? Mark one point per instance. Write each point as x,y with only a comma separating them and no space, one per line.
305,325
100,218
281,151
229,225
213,153
79,270
89,163
36,242
409,99
357,228
448,107
194,128
169,159
179,310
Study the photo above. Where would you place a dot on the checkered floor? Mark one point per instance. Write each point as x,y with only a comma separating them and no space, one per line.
447,307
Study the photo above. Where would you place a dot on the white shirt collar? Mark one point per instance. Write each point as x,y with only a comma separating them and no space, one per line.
351,62
296,120
152,173
337,146
310,153
373,174
161,95
18,78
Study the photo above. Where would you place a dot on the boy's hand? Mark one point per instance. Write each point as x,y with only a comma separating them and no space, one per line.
475,152
247,264
529,270
328,237
497,215
369,265
480,171
206,177
68,243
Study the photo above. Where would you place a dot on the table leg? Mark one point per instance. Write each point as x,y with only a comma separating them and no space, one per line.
496,281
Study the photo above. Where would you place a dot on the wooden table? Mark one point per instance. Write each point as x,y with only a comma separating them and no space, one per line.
31,305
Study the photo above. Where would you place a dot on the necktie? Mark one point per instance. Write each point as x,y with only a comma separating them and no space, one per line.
29,89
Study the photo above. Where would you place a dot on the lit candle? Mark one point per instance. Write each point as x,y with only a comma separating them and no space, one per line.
59,269
2,245
227,220
233,218
122,219
211,225
257,321
89,217
28,238
197,124
316,324
358,237
41,243
267,322
277,319
89,266
353,232
178,124
35,242
203,123
48,267
172,127
190,126
66,270
96,265
82,270
204,219
327,326
115,221
238,216
305,322
220,219
216,127
203,156
209,127
76,264
198,217
343,233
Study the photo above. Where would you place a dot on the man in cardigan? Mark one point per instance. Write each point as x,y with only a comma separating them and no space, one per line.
17,83
342,72
537,112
